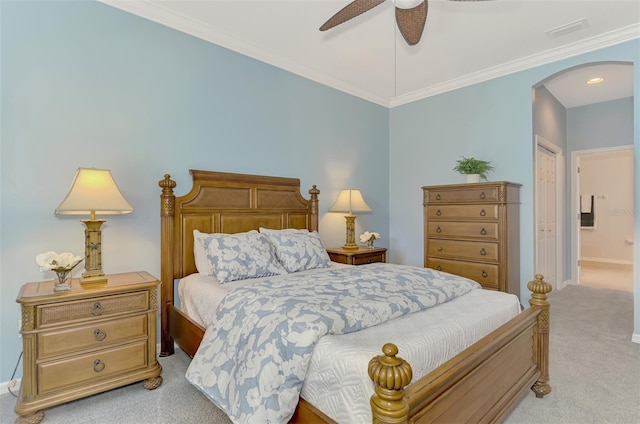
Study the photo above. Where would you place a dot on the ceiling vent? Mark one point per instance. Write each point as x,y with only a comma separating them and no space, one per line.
567,28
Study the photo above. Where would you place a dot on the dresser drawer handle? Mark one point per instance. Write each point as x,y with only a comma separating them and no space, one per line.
370,260
438,212
484,273
438,197
482,195
100,334
97,309
482,212
438,230
98,365
439,268
440,249
483,252
483,232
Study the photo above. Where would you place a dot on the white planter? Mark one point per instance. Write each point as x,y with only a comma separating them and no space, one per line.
473,178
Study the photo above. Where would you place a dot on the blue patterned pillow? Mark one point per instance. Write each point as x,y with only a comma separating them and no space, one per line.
240,256
298,250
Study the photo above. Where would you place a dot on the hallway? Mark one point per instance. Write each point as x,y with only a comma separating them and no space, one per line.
606,275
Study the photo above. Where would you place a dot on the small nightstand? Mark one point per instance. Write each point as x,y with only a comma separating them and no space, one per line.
85,341
362,256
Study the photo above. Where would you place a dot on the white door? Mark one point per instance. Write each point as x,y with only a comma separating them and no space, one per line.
546,255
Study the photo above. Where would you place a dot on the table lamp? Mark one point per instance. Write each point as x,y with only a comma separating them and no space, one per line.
350,201
93,192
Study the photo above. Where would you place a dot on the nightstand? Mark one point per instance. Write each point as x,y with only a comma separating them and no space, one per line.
362,256
85,341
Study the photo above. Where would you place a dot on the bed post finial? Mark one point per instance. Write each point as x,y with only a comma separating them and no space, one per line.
167,211
539,289
390,375
314,192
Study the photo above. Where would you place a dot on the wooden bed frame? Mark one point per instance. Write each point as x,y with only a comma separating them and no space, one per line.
480,384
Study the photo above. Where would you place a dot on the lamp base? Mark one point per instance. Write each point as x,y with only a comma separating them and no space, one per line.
96,280
350,246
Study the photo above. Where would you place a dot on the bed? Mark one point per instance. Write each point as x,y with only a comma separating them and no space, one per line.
480,384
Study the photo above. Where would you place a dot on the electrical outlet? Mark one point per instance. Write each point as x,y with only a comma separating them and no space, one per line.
19,328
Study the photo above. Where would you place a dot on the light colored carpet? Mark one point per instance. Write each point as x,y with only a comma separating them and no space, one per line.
594,375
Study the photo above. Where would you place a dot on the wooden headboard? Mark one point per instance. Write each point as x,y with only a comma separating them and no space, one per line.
221,202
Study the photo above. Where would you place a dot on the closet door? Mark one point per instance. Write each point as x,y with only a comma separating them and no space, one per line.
546,254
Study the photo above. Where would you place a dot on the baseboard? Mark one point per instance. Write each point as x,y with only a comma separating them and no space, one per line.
606,261
635,337
564,284
4,387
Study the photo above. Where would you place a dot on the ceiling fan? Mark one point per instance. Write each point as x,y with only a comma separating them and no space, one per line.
411,16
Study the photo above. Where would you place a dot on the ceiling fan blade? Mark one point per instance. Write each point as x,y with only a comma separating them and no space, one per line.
351,10
411,22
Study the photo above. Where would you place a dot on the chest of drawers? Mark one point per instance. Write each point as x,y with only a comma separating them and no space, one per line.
473,230
85,341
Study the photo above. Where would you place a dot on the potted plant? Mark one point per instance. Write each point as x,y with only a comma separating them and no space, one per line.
473,168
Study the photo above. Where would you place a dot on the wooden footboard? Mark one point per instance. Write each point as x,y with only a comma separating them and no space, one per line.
481,384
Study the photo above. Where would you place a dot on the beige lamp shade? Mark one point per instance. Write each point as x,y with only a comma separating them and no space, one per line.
94,192
350,201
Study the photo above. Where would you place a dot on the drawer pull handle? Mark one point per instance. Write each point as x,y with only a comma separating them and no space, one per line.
440,249
483,232
438,212
439,268
98,365
97,309
484,273
482,212
438,197
482,195
438,230
100,335
483,252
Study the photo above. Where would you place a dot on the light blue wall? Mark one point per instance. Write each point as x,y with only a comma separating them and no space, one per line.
606,124
84,84
490,120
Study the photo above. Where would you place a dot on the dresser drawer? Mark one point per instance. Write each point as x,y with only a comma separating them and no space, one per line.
91,336
462,211
475,250
485,274
479,194
479,230
98,365
364,259
58,313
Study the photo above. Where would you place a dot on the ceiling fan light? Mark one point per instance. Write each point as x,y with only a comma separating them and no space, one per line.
407,4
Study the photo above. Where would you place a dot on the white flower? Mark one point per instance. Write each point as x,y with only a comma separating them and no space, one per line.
52,261
368,235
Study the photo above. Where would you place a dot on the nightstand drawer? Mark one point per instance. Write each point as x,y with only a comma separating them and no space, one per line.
485,274
94,308
462,211
474,250
91,336
364,259
453,229
60,374
480,194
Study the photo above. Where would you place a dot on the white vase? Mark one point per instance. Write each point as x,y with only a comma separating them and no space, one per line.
473,178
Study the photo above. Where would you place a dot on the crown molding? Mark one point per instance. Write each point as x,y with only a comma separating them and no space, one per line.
154,11
570,50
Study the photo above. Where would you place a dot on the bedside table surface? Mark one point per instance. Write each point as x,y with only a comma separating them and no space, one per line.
361,250
42,291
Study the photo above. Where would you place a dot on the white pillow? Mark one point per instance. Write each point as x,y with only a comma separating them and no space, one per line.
298,250
200,253
240,256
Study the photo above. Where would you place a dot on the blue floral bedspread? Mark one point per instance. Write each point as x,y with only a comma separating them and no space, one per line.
252,361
